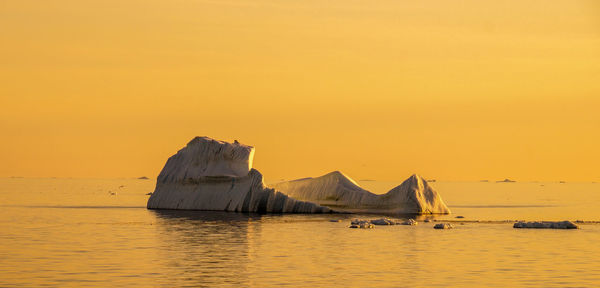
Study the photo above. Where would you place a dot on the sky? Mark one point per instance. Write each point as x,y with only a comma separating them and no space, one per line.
452,90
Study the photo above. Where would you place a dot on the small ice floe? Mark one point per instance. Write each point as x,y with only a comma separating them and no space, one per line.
546,225
443,226
460,217
360,223
410,222
382,221
356,221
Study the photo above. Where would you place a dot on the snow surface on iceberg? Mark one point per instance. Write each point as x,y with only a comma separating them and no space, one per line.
204,156
214,175
340,192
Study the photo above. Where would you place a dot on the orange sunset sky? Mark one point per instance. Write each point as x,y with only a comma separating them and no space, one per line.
453,90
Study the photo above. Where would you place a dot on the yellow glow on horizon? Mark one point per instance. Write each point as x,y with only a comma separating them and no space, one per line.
456,90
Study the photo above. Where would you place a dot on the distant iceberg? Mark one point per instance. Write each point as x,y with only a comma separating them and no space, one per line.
340,192
214,175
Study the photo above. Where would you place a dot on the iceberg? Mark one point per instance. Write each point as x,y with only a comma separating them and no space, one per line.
218,176
338,191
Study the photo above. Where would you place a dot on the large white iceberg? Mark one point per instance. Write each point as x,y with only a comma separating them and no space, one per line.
340,192
214,175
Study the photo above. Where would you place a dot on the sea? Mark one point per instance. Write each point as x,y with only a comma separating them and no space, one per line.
98,233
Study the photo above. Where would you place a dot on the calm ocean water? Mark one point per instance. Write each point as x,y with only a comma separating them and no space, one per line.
73,232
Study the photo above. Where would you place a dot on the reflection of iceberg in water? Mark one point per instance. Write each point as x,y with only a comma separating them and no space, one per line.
205,248
208,249
207,216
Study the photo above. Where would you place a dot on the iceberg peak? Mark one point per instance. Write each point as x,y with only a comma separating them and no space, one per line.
419,195
341,178
415,181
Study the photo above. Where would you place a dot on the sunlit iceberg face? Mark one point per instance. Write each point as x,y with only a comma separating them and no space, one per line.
206,157
338,191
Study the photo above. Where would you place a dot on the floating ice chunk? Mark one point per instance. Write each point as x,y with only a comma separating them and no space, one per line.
443,226
411,222
546,225
382,221
360,223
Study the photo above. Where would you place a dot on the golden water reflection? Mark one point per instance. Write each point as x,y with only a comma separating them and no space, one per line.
79,235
